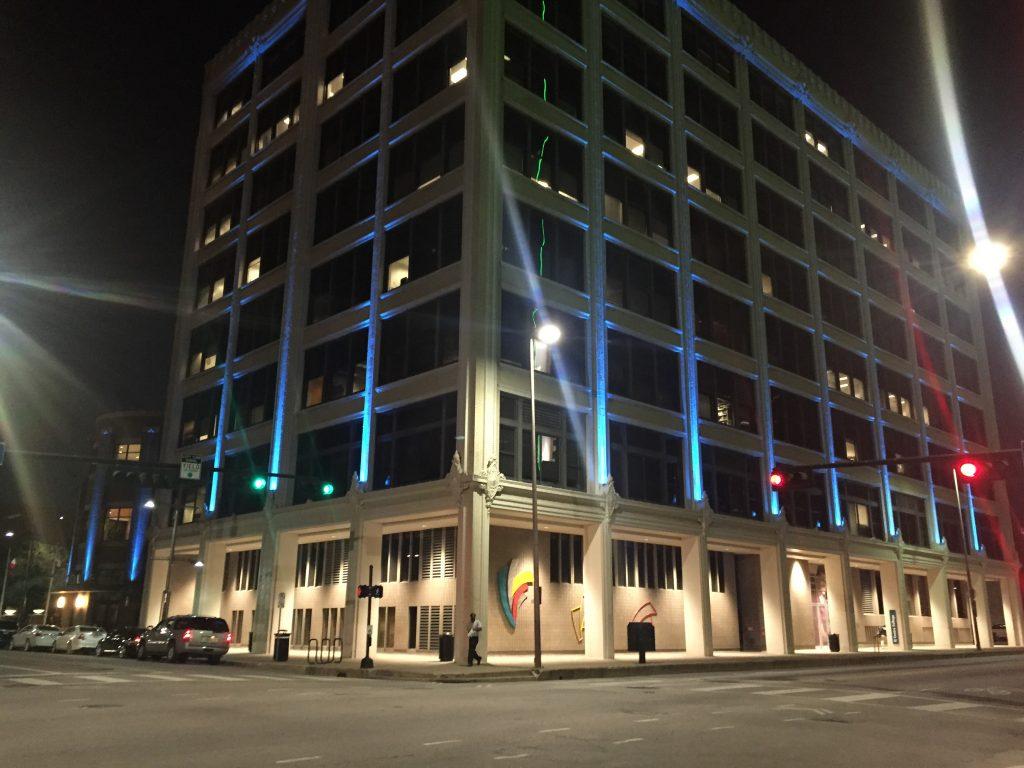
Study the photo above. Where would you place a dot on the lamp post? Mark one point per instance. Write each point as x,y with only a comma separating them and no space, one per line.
7,568
165,598
547,334
967,561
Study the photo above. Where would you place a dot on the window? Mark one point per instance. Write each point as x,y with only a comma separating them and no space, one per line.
713,176
882,276
442,64
200,414
191,499
415,555
222,215
834,248
829,192
640,285
646,566
924,301
238,496
718,245
706,48
567,359
565,15
909,515
780,215
427,155
937,411
273,180
726,398
356,124
252,397
327,456
565,565
259,321
870,582
233,97
917,595
806,507
228,154
840,307
862,508
267,248
242,570
966,371
732,482
423,244
646,465
931,353
634,58
949,527
959,321
552,247
822,137
322,563
852,437
215,278
710,110
341,10
420,339
346,202
643,371
795,420
919,253
354,56
871,173
991,536
560,460
947,230
776,155
900,445
551,160
875,224
636,129
789,347
342,282
129,451
543,72
889,332
895,391
911,204
721,319
716,571
277,117
640,206
283,53
207,346
973,423
770,96
941,471
784,279
414,15
415,443
847,371
117,524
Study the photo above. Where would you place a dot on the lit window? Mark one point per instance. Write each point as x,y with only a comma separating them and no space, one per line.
457,73
218,289
830,375
905,408
863,518
542,360
925,415
851,450
818,145
398,273
634,144
336,84
315,391
723,412
894,403
118,524
844,384
858,389
129,451
613,208
693,177
766,285
548,447
252,270
209,362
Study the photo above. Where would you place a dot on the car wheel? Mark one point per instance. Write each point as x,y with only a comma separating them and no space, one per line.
122,653
213,659
141,653
27,648
172,654
98,651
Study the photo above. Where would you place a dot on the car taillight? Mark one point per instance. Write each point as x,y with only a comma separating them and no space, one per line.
228,639
138,638
187,636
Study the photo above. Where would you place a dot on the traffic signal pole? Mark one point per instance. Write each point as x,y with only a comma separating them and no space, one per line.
367,662
967,561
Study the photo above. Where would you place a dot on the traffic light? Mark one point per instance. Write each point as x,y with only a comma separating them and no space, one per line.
370,590
327,489
969,470
781,479
259,483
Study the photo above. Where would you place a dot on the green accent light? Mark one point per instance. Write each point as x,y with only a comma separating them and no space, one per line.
545,93
327,489
540,157
259,483
540,253
543,10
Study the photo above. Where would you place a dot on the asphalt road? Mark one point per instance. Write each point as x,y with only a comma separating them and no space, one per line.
83,711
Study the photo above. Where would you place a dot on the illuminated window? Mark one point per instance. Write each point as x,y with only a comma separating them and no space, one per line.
634,144
398,273
129,451
457,72
851,450
117,524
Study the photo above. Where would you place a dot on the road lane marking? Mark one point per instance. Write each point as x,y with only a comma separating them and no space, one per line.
207,676
794,719
785,691
722,728
553,730
946,706
864,697
445,741
32,681
520,756
648,720
728,687
158,676
102,678
298,759
28,669
628,741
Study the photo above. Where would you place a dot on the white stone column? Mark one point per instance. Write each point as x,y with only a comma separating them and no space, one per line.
697,597
778,620
364,551
210,581
892,599
472,569
265,615
841,618
598,607
981,603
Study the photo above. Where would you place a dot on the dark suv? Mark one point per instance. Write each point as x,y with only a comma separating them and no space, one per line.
176,638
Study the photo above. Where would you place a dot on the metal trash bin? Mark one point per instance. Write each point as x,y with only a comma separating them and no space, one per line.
446,647
833,643
281,643
640,638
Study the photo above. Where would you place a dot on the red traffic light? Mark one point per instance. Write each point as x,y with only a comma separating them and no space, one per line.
968,470
777,479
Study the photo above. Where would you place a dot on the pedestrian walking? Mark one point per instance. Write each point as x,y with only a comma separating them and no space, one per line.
475,628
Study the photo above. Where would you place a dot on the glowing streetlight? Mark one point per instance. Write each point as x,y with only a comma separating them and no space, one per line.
198,563
549,334
988,257
9,534
150,504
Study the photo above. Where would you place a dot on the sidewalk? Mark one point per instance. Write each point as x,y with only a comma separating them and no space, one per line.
510,668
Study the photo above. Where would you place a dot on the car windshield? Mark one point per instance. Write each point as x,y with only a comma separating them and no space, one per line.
207,623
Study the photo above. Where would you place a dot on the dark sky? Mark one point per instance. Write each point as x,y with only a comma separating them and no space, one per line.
100,107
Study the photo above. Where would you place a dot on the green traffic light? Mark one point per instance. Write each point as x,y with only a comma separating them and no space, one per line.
259,483
327,489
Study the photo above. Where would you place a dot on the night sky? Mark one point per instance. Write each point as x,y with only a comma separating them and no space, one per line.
100,105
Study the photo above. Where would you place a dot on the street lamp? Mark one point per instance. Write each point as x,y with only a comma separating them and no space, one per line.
9,535
988,257
548,334
150,504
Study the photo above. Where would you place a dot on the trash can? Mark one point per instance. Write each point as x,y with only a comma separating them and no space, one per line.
833,643
281,641
640,638
446,647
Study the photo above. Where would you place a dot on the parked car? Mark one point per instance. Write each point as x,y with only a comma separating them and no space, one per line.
7,629
179,637
78,638
124,642
34,636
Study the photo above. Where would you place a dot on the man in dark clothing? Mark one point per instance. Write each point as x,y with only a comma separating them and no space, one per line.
475,628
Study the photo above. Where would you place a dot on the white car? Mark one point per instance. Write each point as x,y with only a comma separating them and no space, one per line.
80,637
33,636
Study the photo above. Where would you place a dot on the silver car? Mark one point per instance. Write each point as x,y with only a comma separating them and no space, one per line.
80,637
179,637
34,636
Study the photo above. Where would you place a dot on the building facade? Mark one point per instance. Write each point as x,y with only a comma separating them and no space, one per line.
102,579
746,272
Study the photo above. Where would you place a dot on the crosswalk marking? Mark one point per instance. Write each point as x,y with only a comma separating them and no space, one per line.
784,691
157,676
33,681
864,697
102,678
728,687
946,706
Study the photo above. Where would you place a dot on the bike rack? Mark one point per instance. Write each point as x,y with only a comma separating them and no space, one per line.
312,648
324,651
